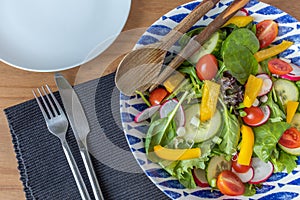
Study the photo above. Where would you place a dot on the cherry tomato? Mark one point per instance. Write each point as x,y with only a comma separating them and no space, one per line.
230,184
290,138
279,67
266,32
238,167
254,116
157,95
207,67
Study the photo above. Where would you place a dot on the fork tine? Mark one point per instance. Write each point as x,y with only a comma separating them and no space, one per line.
55,100
51,104
40,105
45,103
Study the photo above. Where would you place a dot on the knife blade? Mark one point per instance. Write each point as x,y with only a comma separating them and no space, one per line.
80,127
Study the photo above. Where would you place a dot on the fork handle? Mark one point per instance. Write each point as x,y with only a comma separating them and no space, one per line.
91,173
78,178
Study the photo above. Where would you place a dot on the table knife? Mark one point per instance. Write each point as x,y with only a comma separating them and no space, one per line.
80,127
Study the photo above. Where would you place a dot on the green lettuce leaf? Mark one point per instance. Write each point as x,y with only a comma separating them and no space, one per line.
230,132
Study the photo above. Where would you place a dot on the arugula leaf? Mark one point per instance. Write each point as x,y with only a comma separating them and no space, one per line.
230,133
267,137
283,161
161,131
275,110
250,190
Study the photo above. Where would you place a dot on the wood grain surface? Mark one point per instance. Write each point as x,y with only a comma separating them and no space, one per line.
16,84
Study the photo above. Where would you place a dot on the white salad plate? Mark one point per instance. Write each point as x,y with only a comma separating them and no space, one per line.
280,185
54,35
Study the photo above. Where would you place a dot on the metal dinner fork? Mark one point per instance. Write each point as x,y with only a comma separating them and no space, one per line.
57,124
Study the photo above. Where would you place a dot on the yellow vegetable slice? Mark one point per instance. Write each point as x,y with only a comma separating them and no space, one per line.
291,108
247,144
211,91
173,81
176,154
252,89
240,21
272,51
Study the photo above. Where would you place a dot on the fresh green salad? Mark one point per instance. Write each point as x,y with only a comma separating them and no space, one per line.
229,117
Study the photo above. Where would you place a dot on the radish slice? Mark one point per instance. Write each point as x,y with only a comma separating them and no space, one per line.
168,106
262,170
200,177
242,12
267,84
245,177
293,75
146,114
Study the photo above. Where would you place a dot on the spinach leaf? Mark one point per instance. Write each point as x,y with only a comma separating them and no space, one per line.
241,37
240,62
237,52
267,137
230,133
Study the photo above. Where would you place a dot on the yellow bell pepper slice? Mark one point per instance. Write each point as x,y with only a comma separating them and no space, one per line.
211,91
240,21
272,51
176,154
247,144
291,109
173,81
252,89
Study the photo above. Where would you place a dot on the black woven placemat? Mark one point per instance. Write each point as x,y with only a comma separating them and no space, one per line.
43,167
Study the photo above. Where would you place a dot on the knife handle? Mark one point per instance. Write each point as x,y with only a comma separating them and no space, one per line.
91,173
78,178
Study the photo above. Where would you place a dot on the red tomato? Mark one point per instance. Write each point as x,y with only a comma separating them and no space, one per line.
157,95
279,67
207,67
254,116
290,138
238,167
230,184
266,32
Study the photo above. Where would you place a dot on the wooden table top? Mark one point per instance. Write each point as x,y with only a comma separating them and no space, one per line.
16,84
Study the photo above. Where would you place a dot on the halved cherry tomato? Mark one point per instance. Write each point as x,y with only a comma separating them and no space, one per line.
157,95
279,67
266,32
254,116
230,184
290,138
207,67
238,167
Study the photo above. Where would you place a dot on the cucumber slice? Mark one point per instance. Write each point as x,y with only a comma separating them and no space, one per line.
296,121
201,131
211,46
293,151
216,165
285,91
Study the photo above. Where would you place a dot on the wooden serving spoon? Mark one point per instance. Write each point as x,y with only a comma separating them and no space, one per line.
140,67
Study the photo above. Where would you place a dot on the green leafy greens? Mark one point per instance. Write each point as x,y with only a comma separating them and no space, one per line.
267,137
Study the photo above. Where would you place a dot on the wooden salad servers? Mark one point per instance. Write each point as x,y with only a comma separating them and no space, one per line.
144,65
140,69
